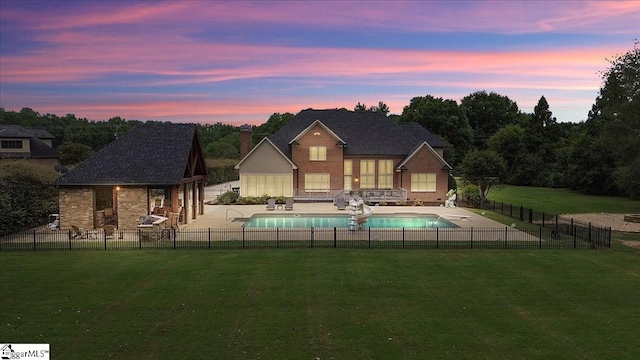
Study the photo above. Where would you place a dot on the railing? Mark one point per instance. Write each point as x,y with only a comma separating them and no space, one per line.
377,195
372,195
227,213
558,224
247,238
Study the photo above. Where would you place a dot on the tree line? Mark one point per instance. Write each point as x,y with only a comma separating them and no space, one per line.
489,138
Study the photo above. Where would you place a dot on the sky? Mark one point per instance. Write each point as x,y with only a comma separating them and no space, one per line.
239,62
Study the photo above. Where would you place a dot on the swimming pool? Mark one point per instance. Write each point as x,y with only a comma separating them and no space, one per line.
342,221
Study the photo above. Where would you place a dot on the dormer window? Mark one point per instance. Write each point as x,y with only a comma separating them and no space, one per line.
317,153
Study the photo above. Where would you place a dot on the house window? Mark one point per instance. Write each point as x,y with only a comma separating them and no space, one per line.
385,174
367,174
348,174
423,182
316,182
11,144
318,153
266,184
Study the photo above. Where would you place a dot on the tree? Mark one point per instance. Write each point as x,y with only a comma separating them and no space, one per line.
483,168
381,108
443,118
487,113
73,153
610,144
508,142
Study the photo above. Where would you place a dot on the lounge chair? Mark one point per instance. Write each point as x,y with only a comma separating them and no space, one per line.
271,204
289,204
340,204
82,234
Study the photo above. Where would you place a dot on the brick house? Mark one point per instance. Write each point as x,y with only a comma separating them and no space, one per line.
324,154
153,164
17,142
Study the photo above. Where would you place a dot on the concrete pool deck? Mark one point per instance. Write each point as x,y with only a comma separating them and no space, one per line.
223,216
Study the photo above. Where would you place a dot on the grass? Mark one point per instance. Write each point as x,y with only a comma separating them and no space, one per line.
325,303
562,201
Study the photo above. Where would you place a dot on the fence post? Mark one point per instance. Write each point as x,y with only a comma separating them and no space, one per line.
571,225
209,236
575,235
335,238
174,239
472,238
530,216
540,247
104,232
277,237
34,240
521,213
437,238
510,210
589,233
543,219
506,234
556,222
69,242
243,237
609,236
403,237
369,238
139,239
312,236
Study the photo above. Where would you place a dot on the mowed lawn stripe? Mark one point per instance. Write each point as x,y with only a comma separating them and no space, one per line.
340,303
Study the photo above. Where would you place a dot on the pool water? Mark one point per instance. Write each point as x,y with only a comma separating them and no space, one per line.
342,221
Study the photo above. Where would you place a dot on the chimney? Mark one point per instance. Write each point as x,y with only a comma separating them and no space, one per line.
245,140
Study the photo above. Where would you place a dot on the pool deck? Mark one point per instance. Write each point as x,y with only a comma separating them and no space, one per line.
223,216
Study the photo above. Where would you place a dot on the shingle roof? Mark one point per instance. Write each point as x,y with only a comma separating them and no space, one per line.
150,154
365,133
38,149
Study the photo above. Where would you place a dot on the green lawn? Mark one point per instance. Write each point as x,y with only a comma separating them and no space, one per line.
562,201
324,303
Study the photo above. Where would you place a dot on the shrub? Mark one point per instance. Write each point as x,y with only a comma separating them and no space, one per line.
382,203
227,198
417,203
401,202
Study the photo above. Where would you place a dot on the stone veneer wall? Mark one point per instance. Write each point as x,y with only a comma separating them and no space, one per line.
132,204
76,207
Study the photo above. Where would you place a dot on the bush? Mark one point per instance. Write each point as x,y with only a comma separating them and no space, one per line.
401,202
27,195
417,203
230,197
471,195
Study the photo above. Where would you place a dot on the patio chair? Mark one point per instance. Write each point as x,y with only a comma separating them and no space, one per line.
109,216
340,204
77,233
82,234
271,204
289,204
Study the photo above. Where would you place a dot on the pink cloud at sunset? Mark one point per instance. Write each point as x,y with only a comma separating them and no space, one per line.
242,61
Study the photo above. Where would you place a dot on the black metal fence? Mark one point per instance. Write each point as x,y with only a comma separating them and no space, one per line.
535,237
559,224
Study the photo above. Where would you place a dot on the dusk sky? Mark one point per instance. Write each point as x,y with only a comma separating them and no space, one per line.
239,62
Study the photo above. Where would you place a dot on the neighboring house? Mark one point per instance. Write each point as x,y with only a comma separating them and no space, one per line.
152,162
324,154
16,142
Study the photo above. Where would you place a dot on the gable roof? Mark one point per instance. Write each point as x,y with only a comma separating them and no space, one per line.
149,154
364,133
317,122
265,139
38,148
424,145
